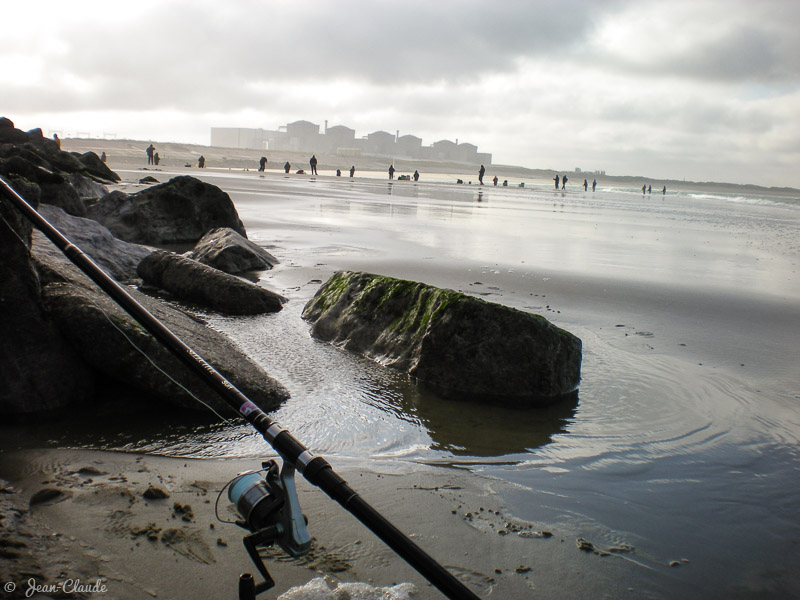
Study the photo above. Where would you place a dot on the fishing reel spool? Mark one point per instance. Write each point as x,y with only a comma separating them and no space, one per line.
268,504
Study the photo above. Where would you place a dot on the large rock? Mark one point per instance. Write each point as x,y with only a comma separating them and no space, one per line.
38,370
117,258
55,189
194,282
177,212
115,345
461,346
96,167
226,250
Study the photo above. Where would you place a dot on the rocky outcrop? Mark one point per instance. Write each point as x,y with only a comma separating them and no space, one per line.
109,341
38,370
96,167
191,281
180,211
226,250
117,258
461,346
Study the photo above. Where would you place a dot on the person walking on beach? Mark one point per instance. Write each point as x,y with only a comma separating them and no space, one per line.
416,175
149,151
338,172
480,174
557,179
391,171
649,189
564,182
664,191
286,167
201,162
495,181
585,186
644,190
103,158
262,164
594,185
352,171
313,163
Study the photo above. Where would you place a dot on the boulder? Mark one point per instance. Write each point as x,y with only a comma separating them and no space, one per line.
55,189
87,188
461,346
38,370
177,212
226,250
117,258
94,167
102,335
191,281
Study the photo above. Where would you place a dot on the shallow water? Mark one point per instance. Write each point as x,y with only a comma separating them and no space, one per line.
684,440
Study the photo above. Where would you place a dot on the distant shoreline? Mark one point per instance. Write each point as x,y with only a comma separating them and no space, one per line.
124,153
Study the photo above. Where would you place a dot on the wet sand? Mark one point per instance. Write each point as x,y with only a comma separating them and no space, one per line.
666,481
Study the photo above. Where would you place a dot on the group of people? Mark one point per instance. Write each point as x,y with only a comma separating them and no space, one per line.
152,155
649,188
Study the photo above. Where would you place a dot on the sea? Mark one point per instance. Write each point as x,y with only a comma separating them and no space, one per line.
684,442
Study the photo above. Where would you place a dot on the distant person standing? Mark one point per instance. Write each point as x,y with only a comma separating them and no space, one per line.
57,140
557,179
156,159
391,171
416,175
313,163
103,157
480,174
495,181
150,149
286,167
585,186
262,164
352,171
644,190
594,185
664,191
338,172
201,162
649,189
564,182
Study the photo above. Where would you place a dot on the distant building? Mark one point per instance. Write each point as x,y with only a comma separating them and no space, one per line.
304,136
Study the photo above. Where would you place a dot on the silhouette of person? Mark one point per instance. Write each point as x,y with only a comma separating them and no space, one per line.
391,171
594,184
150,149
480,174
644,190
262,164
156,159
286,167
352,171
103,157
664,191
649,188
201,162
505,183
495,181
313,163
338,172
57,140
564,182
416,175
557,179
585,186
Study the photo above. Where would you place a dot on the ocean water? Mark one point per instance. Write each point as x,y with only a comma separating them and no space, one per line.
684,442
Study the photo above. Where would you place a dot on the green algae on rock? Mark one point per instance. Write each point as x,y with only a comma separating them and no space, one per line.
461,346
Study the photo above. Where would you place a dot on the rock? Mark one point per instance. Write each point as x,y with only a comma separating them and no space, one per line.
148,179
461,346
38,370
177,212
191,281
226,250
86,187
117,258
103,336
55,189
94,167
155,493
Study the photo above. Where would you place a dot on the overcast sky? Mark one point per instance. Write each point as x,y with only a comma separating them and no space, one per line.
701,90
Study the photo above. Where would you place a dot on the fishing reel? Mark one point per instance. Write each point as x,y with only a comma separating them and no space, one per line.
267,503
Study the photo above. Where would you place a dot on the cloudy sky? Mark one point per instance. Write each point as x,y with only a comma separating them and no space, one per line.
706,90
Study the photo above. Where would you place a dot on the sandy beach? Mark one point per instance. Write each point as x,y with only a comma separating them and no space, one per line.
673,475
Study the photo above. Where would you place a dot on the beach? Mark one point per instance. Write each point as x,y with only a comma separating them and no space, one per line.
672,475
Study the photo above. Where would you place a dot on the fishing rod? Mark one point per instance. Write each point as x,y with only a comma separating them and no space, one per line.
271,502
